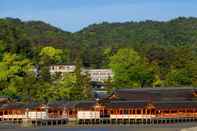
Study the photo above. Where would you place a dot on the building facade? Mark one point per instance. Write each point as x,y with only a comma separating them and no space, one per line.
143,106
62,69
124,106
99,75
96,75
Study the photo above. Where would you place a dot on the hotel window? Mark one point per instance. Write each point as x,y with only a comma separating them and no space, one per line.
61,68
52,68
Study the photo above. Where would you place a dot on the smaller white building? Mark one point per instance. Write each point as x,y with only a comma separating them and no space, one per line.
96,75
62,69
99,75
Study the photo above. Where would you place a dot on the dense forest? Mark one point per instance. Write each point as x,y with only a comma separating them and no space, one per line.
141,54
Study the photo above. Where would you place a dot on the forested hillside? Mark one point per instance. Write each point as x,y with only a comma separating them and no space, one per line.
93,40
141,54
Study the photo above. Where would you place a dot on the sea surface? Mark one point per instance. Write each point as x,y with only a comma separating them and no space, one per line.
101,129
98,129
170,127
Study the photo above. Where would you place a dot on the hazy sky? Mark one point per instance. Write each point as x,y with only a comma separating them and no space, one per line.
73,15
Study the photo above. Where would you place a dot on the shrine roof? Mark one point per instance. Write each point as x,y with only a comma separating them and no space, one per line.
155,94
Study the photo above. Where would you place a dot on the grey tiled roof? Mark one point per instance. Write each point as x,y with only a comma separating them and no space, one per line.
19,105
156,94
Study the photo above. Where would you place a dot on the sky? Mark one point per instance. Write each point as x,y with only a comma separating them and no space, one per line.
73,15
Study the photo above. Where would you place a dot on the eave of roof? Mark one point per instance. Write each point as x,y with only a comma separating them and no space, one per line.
177,93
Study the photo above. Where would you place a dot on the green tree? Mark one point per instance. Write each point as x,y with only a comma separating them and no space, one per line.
178,77
14,69
109,85
2,48
87,87
78,71
27,87
50,55
65,86
129,69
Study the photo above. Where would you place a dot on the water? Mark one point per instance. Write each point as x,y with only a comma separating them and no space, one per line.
97,129
169,127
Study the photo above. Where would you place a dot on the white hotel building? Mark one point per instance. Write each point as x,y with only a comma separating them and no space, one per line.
62,69
97,75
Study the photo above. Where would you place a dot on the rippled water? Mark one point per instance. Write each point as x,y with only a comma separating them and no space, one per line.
177,127
97,129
